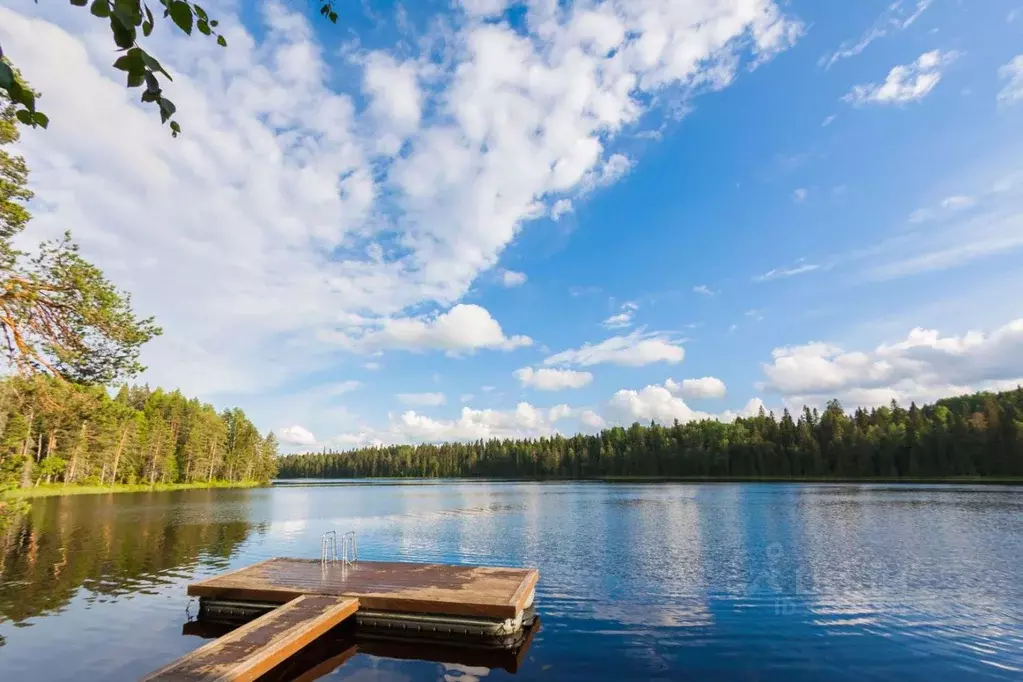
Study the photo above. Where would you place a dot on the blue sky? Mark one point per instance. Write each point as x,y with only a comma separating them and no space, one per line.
460,220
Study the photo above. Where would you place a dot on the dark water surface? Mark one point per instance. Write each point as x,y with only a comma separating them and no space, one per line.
672,582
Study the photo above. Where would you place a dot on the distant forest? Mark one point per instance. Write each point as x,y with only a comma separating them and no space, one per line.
53,431
977,435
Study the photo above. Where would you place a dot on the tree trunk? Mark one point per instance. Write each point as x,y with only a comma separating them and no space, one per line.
39,448
213,459
26,461
73,464
117,454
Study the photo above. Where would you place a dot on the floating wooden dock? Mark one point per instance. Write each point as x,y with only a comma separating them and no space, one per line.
257,647
381,586
390,599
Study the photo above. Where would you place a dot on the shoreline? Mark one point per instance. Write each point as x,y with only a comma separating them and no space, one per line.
61,490
950,480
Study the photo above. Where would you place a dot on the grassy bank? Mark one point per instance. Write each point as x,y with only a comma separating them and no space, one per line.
52,490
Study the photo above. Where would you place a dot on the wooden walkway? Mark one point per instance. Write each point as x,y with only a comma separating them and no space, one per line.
381,586
255,648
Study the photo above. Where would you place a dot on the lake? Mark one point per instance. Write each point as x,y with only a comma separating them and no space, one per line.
647,581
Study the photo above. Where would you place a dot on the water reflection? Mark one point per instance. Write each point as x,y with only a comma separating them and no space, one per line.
87,546
723,582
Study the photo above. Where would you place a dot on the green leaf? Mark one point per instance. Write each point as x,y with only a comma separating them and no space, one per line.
151,62
181,14
41,119
130,61
222,41
6,75
135,78
25,117
175,129
167,109
150,95
325,10
147,28
333,17
129,11
203,27
79,3
124,36
214,23
100,8
200,12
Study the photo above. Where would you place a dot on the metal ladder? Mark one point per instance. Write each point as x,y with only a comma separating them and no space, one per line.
349,548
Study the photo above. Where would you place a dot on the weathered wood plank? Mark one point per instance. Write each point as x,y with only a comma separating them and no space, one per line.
386,586
250,651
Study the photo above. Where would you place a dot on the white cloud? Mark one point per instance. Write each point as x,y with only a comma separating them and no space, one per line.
704,290
296,435
944,208
466,397
924,366
799,195
798,268
828,121
905,83
372,366
1013,73
340,388
656,403
959,229
510,278
705,387
332,219
524,421
560,208
421,399
623,318
463,328
634,350
591,420
546,379
898,16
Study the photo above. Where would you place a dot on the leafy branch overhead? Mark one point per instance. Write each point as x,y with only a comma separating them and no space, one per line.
127,18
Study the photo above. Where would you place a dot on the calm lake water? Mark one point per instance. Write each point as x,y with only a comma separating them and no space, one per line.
718,581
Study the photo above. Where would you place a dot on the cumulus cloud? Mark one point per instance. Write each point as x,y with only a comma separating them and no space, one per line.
294,219
905,83
897,17
924,366
658,404
510,278
1013,73
296,435
546,379
705,387
633,350
560,208
463,328
524,421
421,399
704,290
799,194
623,318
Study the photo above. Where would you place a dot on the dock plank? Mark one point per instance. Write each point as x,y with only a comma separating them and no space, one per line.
386,586
250,651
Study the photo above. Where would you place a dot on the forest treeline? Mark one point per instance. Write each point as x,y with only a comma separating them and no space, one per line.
974,435
55,431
